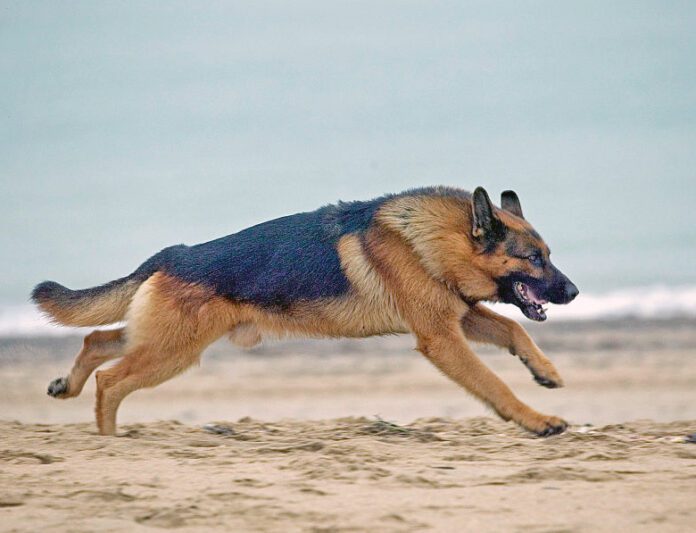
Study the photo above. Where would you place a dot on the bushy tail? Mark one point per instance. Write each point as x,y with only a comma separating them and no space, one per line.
97,306
100,305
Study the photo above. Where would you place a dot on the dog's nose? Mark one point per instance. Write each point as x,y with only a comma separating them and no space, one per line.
571,291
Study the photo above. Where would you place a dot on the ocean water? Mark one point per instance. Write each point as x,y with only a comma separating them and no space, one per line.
129,127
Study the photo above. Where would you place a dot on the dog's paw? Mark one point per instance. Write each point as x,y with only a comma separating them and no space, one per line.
58,388
545,374
548,382
551,425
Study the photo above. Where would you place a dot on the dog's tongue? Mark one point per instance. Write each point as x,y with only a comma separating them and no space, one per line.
533,297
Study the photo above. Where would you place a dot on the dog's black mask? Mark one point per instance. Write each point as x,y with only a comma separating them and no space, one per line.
530,294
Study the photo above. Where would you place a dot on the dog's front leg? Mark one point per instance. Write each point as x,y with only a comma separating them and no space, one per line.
481,324
447,349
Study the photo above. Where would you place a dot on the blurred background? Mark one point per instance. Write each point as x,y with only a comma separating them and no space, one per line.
127,127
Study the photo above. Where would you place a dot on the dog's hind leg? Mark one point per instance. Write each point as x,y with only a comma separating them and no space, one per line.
143,367
169,325
481,324
98,347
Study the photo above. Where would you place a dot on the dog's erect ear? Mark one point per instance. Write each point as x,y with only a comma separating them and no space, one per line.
511,203
487,227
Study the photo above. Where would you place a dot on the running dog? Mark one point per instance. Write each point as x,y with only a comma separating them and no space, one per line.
417,262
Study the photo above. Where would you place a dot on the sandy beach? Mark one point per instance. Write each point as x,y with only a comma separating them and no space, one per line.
358,436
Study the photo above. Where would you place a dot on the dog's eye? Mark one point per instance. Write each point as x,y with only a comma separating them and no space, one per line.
536,260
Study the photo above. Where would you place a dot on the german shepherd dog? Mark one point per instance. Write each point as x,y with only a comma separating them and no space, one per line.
416,262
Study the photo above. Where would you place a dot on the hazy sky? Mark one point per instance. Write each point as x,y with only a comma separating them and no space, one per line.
129,126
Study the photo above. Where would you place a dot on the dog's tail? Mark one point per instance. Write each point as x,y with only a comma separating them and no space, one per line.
96,306
100,305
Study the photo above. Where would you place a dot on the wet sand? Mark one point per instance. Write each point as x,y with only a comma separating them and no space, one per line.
360,435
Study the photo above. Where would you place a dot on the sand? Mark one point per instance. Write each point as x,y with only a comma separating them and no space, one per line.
351,474
360,436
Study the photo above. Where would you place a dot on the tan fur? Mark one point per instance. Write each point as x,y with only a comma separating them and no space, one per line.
481,324
437,229
434,314
416,270
99,310
245,335
169,325
97,348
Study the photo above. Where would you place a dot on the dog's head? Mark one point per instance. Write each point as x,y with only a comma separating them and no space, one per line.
515,257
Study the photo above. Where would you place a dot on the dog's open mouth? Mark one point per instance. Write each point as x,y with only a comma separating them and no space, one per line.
530,304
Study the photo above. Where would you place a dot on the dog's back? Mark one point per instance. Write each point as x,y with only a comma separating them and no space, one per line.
279,262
